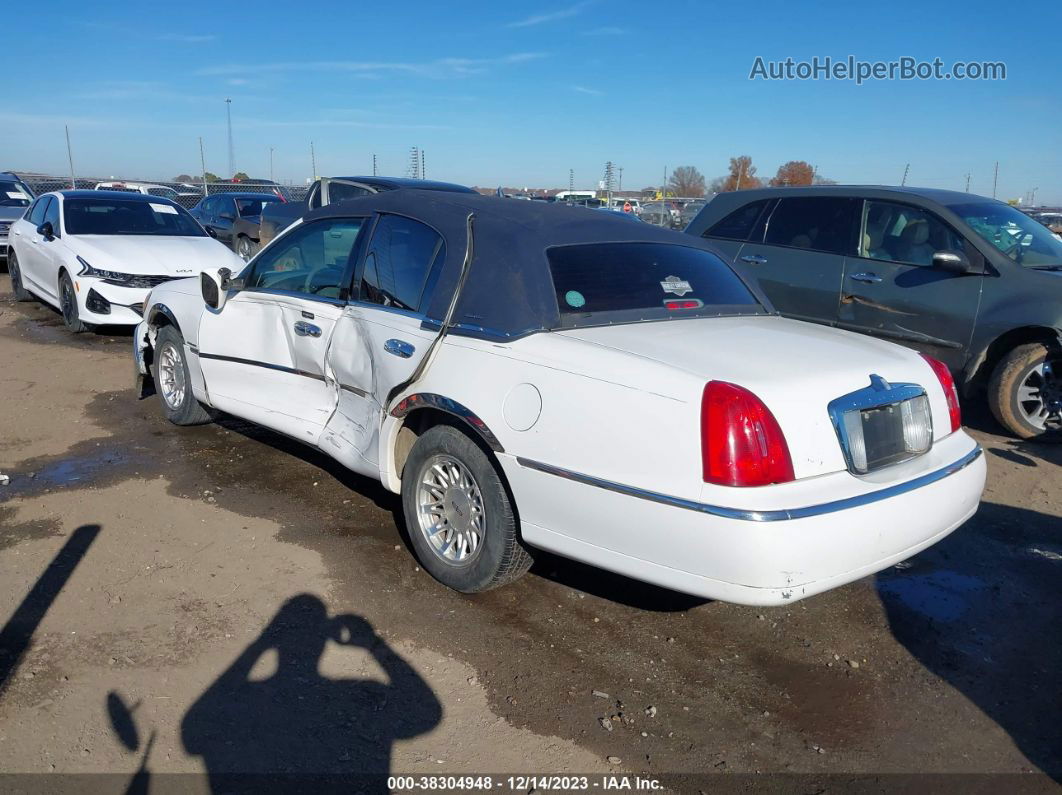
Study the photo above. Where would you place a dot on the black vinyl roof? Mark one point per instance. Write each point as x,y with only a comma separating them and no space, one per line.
391,183
938,195
509,291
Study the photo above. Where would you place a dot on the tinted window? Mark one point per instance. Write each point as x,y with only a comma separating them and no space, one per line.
36,213
249,207
901,233
12,194
339,192
816,223
739,223
225,205
311,259
643,281
105,216
51,216
398,262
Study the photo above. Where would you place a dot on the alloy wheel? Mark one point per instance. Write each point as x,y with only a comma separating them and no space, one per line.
171,376
1039,395
450,510
67,302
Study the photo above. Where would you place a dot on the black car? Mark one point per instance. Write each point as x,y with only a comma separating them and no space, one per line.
234,218
969,280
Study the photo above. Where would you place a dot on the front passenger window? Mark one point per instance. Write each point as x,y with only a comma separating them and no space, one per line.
310,260
901,233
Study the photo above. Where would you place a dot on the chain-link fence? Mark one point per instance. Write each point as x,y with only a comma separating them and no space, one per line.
187,194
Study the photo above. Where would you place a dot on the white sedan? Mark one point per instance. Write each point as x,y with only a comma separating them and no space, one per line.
528,375
94,255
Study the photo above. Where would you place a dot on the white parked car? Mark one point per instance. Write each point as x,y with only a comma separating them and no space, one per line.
146,188
94,255
529,375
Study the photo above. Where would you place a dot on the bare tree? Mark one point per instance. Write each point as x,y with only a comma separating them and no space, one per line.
820,180
742,174
795,172
686,181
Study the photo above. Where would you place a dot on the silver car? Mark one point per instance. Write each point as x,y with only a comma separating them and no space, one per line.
15,197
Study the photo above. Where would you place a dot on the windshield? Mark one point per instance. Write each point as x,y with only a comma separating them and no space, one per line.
13,195
128,217
253,206
1023,239
600,283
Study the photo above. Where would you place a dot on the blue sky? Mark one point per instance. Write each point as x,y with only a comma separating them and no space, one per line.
516,94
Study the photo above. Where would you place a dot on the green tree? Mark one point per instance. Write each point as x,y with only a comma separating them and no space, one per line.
240,176
210,176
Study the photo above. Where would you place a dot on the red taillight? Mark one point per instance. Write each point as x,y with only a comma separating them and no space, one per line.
741,442
947,383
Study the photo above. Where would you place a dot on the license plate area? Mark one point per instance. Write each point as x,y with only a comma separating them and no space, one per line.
882,425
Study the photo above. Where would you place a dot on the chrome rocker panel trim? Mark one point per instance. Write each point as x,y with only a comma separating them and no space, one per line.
761,516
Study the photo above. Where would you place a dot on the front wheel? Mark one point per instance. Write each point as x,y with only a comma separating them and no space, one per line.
173,382
21,293
459,514
246,248
1025,393
68,306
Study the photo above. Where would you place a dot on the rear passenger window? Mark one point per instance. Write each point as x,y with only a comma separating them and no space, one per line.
739,223
398,262
816,223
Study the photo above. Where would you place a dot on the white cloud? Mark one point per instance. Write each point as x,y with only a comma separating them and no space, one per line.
439,68
591,91
552,16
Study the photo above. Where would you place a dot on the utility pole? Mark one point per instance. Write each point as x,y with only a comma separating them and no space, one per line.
313,161
202,165
1032,197
621,179
232,150
967,182
905,170
70,157
374,165
271,179
571,182
663,188
995,180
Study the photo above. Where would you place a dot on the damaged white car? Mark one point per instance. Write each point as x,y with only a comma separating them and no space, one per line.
527,375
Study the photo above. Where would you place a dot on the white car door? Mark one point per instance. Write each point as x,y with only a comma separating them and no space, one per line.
31,259
263,354
51,253
378,341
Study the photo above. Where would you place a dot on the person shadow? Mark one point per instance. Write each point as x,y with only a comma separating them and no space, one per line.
289,727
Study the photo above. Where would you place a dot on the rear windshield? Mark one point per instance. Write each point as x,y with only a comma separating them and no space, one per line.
128,217
13,195
601,283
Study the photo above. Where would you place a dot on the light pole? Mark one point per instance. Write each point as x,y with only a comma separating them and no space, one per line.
271,178
232,153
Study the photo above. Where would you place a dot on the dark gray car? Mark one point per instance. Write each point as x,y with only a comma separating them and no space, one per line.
15,197
968,280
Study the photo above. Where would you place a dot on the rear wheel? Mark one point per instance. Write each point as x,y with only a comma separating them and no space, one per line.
173,382
459,515
246,248
21,293
1025,393
68,306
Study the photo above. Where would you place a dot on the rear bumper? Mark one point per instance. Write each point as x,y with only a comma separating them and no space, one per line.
747,560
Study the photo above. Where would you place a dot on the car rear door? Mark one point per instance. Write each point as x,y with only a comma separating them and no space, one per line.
892,290
223,218
263,354
800,262
379,341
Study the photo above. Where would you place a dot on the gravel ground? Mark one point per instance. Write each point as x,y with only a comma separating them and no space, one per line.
219,599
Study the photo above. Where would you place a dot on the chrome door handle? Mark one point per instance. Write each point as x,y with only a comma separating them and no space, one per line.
754,259
304,329
869,278
399,348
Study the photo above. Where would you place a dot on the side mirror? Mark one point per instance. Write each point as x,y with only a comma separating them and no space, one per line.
215,287
46,231
951,261
210,231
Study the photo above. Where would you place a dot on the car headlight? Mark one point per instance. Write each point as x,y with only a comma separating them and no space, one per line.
114,276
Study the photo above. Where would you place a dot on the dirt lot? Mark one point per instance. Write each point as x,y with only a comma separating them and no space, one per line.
257,609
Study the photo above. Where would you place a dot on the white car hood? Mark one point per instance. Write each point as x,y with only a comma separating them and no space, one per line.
154,255
796,368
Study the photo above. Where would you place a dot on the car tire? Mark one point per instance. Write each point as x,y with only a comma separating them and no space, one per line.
20,292
1025,393
246,248
173,383
68,306
472,500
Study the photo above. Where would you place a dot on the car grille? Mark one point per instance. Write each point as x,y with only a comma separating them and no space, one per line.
142,282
